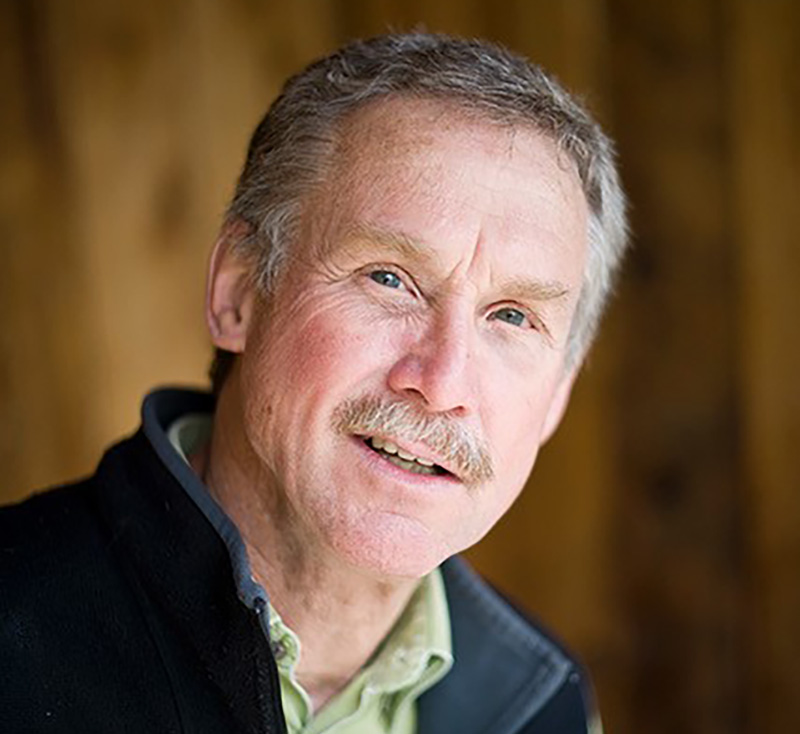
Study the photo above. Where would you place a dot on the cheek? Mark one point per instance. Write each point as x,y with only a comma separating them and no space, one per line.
330,353
311,359
516,421
324,329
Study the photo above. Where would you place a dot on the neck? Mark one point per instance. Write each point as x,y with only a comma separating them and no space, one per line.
341,614
340,618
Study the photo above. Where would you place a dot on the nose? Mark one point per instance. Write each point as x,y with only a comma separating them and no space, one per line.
439,368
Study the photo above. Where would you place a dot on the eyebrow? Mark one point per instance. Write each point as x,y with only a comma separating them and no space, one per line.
523,289
395,241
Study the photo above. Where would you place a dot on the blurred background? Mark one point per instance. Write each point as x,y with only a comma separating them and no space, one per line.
660,533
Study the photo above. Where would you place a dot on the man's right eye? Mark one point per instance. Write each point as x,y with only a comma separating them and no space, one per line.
387,278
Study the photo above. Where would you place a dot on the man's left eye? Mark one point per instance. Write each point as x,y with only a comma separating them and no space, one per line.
512,316
387,278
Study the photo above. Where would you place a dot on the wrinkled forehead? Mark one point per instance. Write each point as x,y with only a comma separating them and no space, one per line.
393,146
399,125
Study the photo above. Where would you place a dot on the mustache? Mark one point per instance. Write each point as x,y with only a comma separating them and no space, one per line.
465,454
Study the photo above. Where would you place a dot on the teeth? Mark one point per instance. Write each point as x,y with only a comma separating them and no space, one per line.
391,448
411,466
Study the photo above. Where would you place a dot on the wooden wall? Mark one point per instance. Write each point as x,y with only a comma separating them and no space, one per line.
660,534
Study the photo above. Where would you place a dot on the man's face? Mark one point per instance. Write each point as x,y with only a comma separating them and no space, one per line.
424,313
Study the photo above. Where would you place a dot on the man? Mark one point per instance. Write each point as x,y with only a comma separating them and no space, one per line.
408,278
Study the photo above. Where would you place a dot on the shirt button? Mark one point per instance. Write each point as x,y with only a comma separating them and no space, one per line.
278,649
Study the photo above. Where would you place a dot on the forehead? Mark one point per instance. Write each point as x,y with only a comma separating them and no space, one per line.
409,132
429,172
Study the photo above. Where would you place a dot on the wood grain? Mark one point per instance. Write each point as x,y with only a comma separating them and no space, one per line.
660,532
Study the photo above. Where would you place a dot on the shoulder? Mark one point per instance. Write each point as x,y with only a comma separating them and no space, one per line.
61,557
37,533
72,637
511,674
53,561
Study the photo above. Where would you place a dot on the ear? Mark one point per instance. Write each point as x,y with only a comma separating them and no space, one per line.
230,292
558,403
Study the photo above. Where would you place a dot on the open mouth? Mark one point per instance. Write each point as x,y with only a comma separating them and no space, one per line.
400,458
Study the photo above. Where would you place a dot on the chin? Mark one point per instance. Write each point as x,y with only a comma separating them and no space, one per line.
389,545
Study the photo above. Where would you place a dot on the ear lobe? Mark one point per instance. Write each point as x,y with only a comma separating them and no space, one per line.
230,291
558,403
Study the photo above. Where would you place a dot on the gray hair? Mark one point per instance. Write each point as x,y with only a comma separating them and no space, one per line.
292,145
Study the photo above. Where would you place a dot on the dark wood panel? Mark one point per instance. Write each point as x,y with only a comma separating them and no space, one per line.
765,110
681,535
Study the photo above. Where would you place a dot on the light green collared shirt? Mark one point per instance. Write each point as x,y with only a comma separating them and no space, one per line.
381,698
